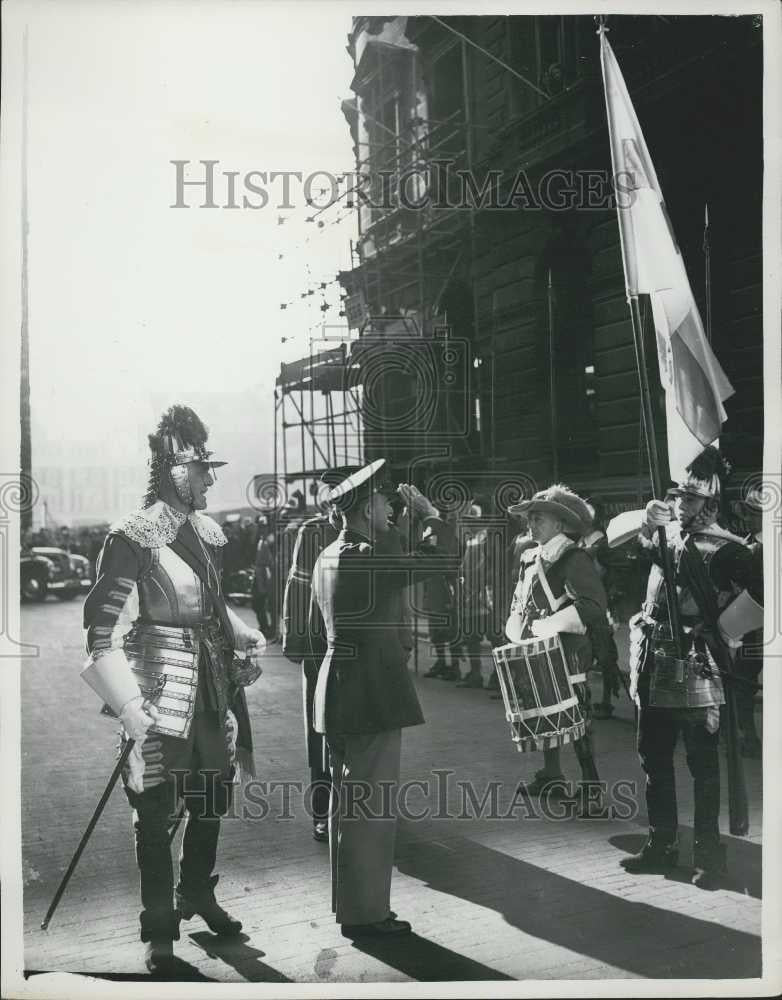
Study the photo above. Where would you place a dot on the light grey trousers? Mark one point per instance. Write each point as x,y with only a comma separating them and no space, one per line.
362,824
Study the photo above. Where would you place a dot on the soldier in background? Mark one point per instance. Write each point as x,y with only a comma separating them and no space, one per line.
604,648
306,644
749,658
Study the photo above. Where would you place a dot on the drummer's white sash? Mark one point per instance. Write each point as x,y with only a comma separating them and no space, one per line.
555,603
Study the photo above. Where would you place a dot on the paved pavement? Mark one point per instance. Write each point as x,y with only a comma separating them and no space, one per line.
516,898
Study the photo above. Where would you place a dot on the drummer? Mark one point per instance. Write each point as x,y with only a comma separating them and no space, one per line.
560,592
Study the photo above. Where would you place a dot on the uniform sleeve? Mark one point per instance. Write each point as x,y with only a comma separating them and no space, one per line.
297,610
584,587
743,568
119,566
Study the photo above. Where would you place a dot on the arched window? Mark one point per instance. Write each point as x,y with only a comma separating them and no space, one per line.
572,375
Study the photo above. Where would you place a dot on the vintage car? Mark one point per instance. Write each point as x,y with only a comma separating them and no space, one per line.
238,587
46,570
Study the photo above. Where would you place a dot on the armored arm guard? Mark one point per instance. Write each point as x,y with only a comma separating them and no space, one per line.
107,670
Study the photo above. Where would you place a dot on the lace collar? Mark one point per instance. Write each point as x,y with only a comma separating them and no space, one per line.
554,548
157,526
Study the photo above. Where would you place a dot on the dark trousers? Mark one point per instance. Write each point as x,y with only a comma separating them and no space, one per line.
198,771
262,606
658,732
585,747
748,665
317,758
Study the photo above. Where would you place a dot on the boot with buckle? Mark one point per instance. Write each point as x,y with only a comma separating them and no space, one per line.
203,903
657,856
159,930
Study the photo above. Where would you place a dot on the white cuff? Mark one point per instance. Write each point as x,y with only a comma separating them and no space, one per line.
110,677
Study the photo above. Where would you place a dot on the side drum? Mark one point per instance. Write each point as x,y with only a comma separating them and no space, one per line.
540,703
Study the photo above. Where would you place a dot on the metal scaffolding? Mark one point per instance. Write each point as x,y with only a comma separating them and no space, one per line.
317,418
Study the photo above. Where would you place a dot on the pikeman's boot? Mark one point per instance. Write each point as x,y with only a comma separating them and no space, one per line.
659,854
159,930
202,901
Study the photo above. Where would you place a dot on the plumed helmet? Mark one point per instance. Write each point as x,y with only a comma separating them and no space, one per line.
706,476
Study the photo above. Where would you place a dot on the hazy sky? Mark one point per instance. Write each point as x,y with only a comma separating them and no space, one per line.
133,301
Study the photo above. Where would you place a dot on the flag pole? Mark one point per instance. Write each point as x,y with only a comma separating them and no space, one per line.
707,266
646,398
654,467
552,381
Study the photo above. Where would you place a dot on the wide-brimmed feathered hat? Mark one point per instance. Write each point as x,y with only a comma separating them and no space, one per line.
562,503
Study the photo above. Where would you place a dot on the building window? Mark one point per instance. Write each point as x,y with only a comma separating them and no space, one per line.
547,51
573,402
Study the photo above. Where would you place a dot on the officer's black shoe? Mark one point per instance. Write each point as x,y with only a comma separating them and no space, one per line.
389,927
438,670
206,906
710,866
159,956
655,858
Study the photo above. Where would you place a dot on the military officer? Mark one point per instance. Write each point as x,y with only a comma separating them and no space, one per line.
364,695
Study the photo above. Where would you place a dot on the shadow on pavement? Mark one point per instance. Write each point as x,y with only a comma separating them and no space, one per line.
425,961
745,861
182,972
643,939
239,955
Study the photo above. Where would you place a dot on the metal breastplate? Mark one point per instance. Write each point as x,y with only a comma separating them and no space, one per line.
170,593
693,682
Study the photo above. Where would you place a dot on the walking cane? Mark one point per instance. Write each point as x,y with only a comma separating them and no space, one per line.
126,750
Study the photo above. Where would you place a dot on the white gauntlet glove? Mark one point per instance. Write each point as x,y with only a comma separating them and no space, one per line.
658,514
566,620
137,716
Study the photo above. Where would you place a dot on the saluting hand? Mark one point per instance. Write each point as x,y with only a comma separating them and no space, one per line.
416,501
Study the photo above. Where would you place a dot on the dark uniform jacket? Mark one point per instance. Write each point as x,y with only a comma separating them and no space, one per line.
359,592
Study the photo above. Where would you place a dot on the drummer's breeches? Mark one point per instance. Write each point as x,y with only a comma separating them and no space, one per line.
585,747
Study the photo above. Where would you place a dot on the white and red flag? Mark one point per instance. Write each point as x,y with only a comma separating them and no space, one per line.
695,384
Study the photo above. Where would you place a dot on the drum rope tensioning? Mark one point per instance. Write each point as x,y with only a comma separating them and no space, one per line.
540,703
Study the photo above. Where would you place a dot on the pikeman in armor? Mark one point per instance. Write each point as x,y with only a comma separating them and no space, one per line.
173,680
559,592
677,685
